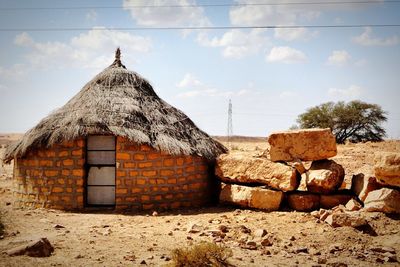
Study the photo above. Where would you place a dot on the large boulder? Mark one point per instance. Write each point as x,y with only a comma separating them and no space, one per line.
251,197
307,144
237,168
36,248
363,183
324,176
387,168
385,200
303,201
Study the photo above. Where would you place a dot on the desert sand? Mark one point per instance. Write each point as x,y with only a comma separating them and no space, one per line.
107,238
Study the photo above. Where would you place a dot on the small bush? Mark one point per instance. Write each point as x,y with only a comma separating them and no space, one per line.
202,255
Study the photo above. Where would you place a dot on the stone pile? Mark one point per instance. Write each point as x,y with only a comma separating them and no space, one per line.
297,172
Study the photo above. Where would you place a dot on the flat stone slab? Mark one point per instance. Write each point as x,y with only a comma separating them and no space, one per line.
238,168
385,200
251,197
305,144
387,168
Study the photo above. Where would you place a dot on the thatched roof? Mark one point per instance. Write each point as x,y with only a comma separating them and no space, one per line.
122,103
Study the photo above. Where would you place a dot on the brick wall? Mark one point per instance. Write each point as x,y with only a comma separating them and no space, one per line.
52,178
150,179
146,179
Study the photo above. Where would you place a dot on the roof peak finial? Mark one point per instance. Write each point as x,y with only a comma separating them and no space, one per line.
117,62
118,54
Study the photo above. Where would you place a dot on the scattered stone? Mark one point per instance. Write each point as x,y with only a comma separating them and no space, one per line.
335,247
322,260
189,237
330,201
353,205
79,256
324,176
155,213
362,184
36,248
194,228
383,249
303,201
260,233
130,257
267,241
251,245
301,250
58,226
304,144
385,200
387,168
223,228
143,262
244,229
252,197
237,168
345,219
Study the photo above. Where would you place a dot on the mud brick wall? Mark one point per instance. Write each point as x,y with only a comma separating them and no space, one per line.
52,177
150,179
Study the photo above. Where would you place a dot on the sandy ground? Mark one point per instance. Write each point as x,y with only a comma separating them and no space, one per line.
111,239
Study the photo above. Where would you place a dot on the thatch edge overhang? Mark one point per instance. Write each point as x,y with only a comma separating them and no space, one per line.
140,116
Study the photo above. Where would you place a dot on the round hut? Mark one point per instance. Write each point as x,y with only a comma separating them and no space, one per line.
115,144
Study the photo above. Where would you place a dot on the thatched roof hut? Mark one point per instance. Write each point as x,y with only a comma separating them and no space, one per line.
121,103
115,143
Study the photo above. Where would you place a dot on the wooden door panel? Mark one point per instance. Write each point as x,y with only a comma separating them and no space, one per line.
101,195
100,142
99,175
101,157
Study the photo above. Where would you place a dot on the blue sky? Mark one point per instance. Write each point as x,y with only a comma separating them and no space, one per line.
271,75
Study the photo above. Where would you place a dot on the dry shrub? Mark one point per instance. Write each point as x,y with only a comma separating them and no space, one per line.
1,228
202,255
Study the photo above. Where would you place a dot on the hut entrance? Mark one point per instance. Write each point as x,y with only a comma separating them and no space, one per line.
100,183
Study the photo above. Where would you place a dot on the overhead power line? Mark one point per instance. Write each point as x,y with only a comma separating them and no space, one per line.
205,5
197,28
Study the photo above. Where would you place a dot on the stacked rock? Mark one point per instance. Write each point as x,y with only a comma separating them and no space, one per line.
294,156
382,191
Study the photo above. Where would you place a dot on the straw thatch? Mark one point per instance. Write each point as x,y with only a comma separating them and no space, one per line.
121,103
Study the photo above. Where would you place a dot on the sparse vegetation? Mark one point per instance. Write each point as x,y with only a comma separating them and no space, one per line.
1,228
355,121
202,254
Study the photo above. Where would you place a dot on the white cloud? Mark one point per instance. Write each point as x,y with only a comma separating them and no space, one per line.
352,92
270,15
287,94
189,80
86,50
338,58
236,43
361,63
23,39
288,34
91,15
15,72
168,15
286,55
367,39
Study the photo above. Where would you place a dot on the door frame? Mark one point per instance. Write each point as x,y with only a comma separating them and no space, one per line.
87,168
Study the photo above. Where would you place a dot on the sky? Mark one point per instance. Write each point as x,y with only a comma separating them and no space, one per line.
271,75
